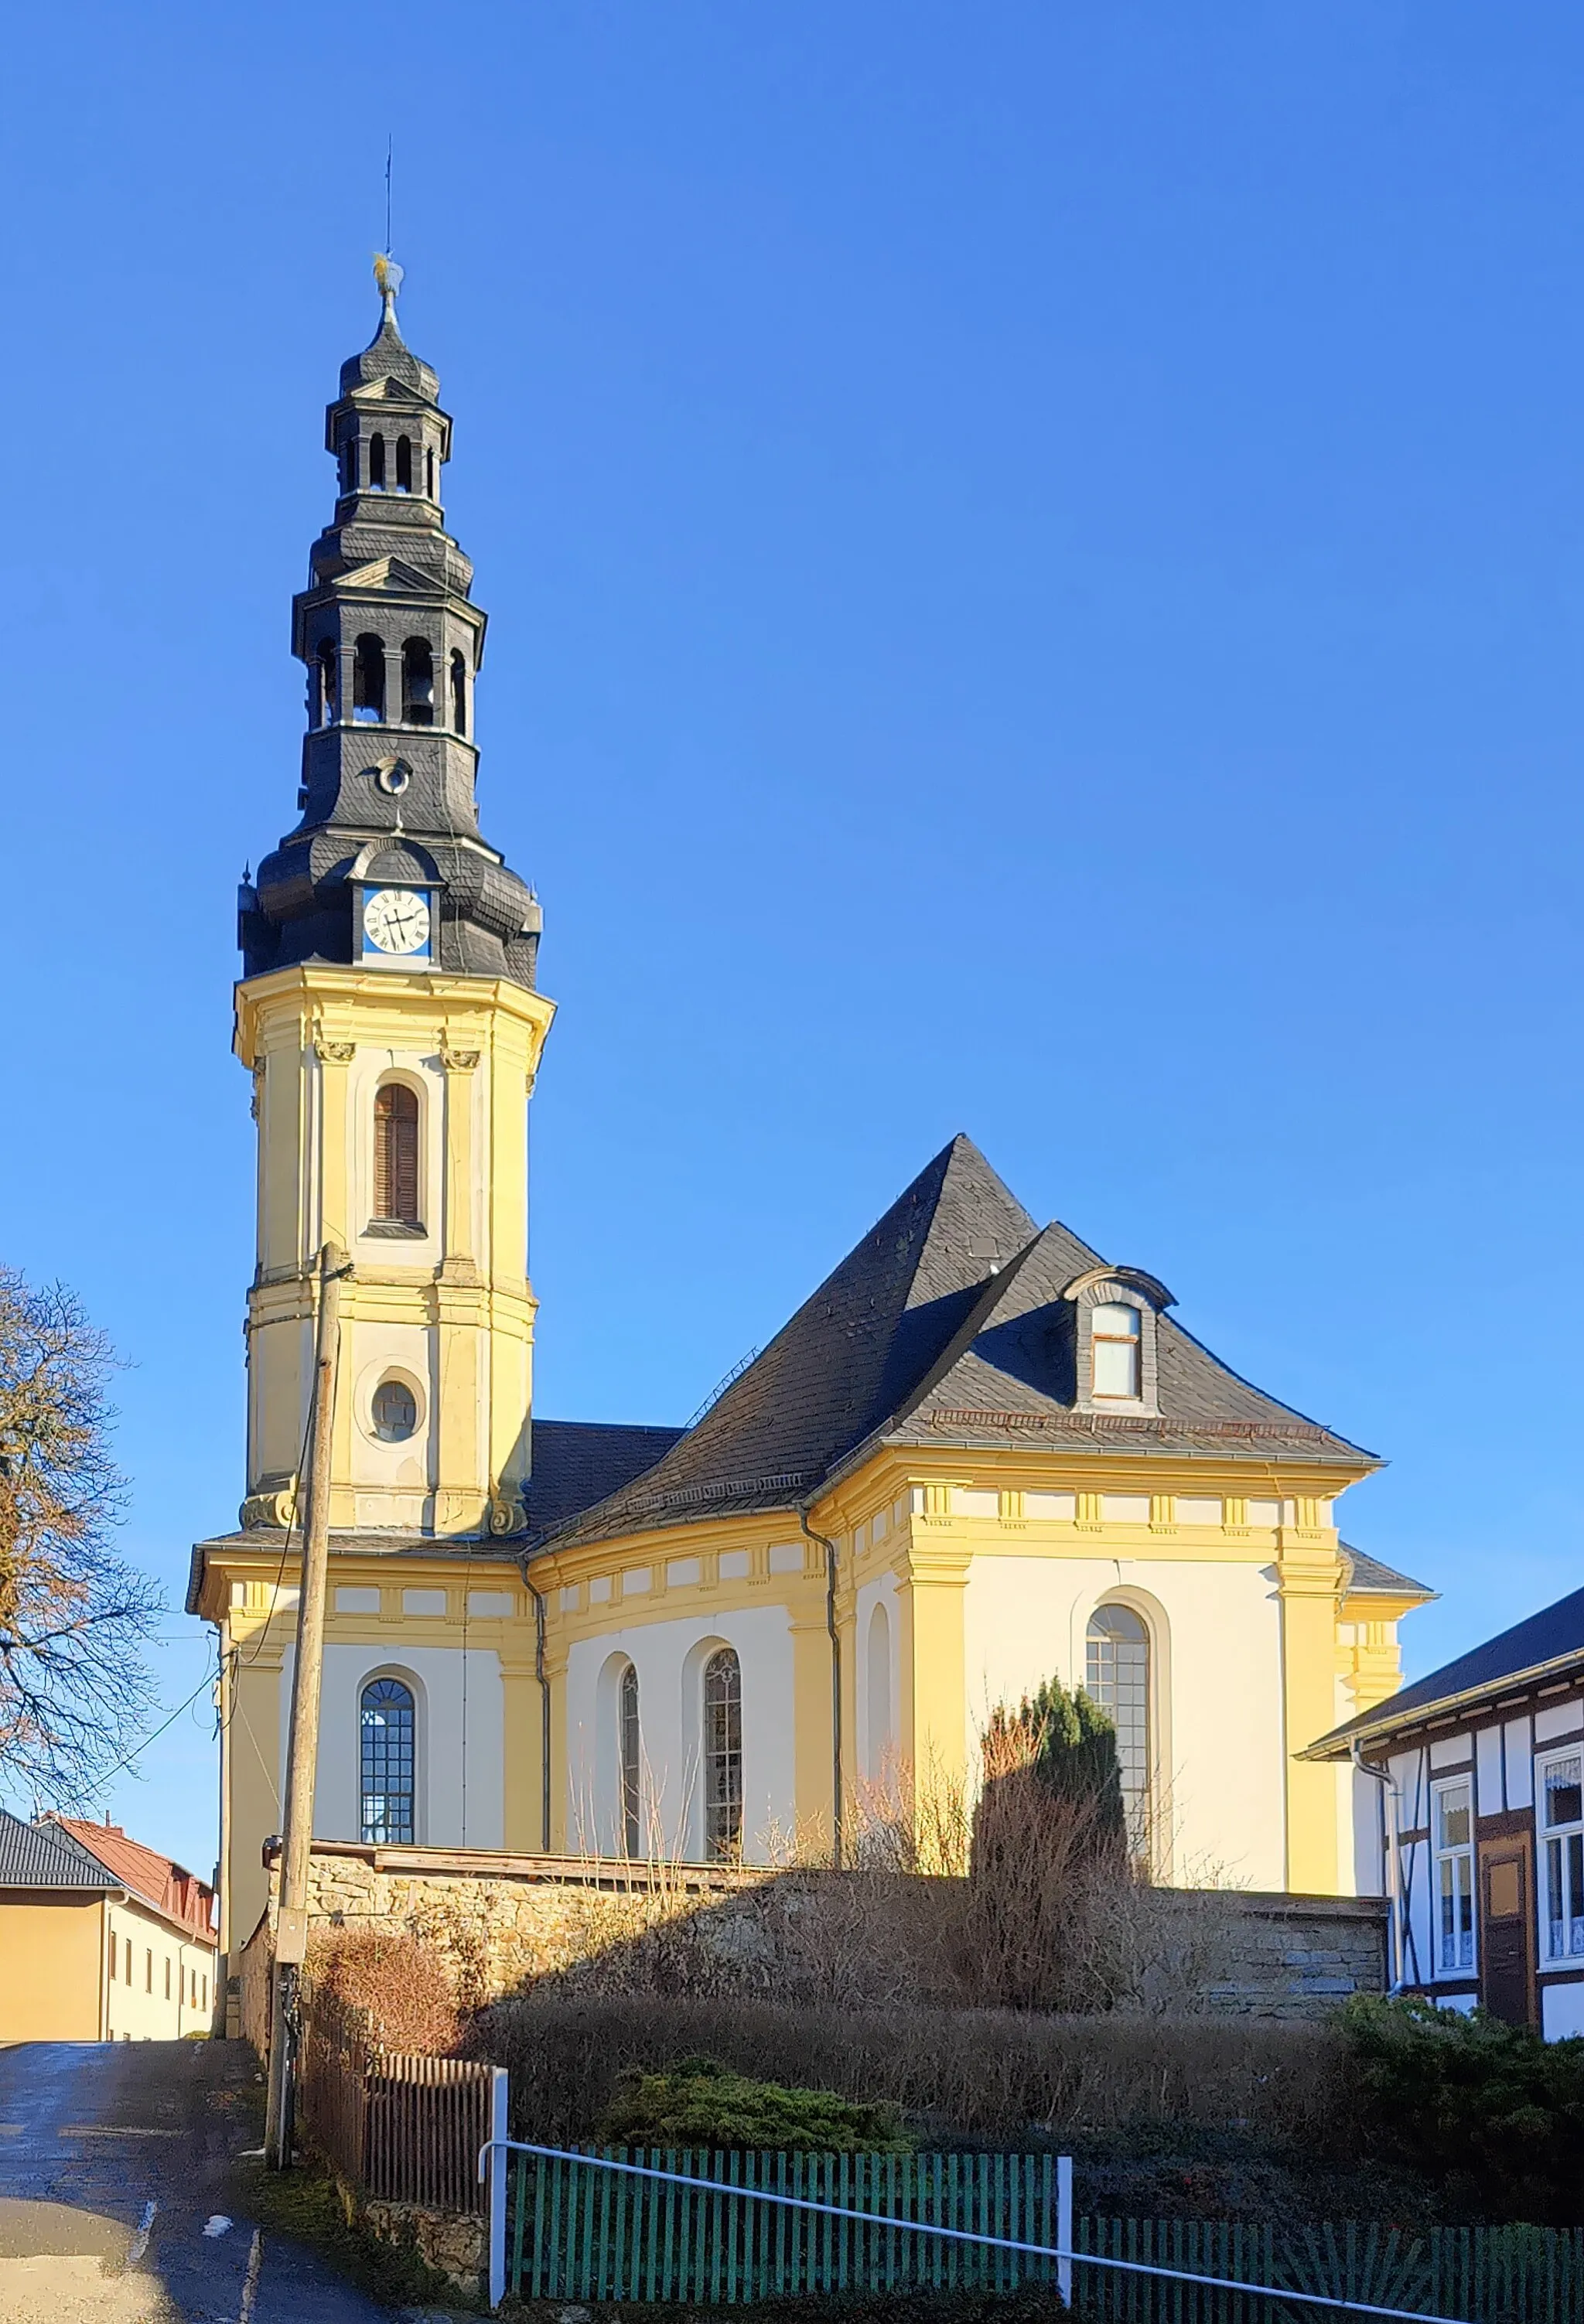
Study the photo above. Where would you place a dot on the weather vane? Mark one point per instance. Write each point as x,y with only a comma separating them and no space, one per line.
387,273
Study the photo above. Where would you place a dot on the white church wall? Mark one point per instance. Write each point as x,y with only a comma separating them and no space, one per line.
1216,1684
460,1772
669,1657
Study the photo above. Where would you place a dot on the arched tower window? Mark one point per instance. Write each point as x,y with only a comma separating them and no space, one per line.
1117,1676
879,1691
722,1755
417,683
404,464
377,464
387,1785
429,470
628,1763
396,1153
349,465
458,691
368,679
328,683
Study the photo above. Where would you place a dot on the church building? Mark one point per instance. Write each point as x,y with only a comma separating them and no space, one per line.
980,1455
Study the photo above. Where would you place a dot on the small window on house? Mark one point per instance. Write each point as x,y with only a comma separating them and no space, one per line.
376,464
428,471
112,1960
129,1961
1454,1875
327,683
167,1977
1117,1677
395,1412
396,1153
1114,1341
630,1764
403,463
368,681
148,1968
722,1755
1562,1833
417,683
388,1763
458,692
204,2001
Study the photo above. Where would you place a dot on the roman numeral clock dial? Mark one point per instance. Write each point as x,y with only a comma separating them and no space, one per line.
396,920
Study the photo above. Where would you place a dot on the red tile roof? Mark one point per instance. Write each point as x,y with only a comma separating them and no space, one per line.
180,1895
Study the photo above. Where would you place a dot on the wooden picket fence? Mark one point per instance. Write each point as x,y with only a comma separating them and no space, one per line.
402,2129
577,2233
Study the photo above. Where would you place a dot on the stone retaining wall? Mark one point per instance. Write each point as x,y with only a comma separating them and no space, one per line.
509,1924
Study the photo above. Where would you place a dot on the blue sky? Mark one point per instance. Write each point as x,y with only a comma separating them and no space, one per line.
1035,559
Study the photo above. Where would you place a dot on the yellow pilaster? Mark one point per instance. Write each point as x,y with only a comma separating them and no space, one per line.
935,1732
1308,1579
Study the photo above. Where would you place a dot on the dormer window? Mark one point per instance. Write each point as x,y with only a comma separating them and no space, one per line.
1116,1338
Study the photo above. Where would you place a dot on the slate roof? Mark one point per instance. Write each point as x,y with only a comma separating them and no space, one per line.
1552,1641
43,1855
946,1325
1368,1578
576,1462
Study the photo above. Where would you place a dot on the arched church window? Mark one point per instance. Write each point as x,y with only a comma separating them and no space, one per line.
349,465
1117,1677
722,1755
328,683
404,464
387,1769
429,470
629,1761
368,681
396,1153
458,691
417,683
377,464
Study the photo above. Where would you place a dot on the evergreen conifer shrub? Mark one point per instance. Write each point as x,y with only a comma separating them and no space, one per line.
699,2103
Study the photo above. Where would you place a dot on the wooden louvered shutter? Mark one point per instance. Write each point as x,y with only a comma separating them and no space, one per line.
396,1154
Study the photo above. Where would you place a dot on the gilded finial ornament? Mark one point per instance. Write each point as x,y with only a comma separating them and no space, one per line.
387,275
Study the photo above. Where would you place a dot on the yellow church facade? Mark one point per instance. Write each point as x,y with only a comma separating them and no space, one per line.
979,1456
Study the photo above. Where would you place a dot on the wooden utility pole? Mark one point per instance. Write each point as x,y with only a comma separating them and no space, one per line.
303,1750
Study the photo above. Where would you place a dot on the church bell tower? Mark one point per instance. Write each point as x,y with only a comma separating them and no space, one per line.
388,1016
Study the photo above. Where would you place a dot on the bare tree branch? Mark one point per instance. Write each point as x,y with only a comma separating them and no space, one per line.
73,1686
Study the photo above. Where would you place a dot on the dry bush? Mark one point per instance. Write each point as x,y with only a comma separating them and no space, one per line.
990,2073
402,1986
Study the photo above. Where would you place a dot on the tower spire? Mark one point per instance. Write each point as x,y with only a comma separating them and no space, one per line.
392,644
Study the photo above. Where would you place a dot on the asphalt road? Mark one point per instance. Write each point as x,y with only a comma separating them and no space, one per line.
116,2163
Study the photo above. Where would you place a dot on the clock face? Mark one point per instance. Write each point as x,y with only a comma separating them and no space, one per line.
396,920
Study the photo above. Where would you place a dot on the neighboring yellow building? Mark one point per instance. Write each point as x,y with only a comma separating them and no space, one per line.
101,1939
979,1456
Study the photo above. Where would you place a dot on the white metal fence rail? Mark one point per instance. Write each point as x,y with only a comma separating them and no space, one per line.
491,2168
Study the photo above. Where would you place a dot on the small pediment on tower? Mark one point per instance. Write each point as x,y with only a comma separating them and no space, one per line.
388,576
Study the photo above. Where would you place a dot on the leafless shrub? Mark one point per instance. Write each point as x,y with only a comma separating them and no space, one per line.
993,2073
400,1983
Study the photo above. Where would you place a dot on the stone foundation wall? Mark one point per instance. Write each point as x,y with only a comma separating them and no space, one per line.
508,1924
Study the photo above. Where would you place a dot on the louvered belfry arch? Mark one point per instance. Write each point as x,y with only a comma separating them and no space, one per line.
396,1121
393,643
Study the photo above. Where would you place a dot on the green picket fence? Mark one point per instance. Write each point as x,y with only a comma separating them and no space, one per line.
579,2232
1489,2275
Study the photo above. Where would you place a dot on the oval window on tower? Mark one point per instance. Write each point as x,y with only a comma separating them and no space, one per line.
395,1412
